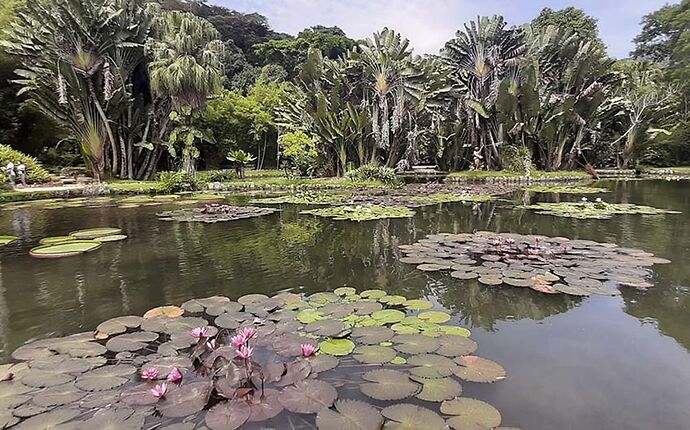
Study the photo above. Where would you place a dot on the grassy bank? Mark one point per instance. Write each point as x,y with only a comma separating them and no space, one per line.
474,175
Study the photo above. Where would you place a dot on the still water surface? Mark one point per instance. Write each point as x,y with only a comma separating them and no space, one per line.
573,363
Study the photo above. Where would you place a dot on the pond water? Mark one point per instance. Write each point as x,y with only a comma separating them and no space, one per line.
572,363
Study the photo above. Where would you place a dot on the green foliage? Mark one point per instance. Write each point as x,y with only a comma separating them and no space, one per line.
209,176
35,173
175,182
374,172
361,212
517,159
573,20
240,159
300,151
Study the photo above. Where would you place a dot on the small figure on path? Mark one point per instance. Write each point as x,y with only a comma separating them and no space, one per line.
9,171
21,173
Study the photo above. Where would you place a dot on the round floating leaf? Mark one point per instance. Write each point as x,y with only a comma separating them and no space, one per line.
54,239
455,330
139,395
349,415
309,316
431,366
7,420
186,400
248,299
337,347
308,397
131,341
399,360
164,311
295,371
478,369
374,354
436,317
325,327
265,406
415,343
372,335
94,233
372,294
105,378
42,378
112,238
418,305
345,291
228,415
366,308
393,300
322,363
454,346
438,389
121,419
407,416
471,414
118,325
65,249
388,316
49,420
386,384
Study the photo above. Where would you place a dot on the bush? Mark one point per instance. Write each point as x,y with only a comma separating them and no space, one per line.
373,172
300,151
209,176
514,159
174,182
35,173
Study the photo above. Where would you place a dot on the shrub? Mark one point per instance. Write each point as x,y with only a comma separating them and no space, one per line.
174,182
209,176
373,172
35,173
514,159
300,151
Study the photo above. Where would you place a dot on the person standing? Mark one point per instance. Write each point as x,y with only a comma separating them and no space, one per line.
21,173
9,171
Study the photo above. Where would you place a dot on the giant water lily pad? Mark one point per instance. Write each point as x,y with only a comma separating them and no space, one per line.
595,210
349,415
65,249
337,347
55,239
6,240
478,369
94,233
361,212
471,414
386,384
112,238
407,416
308,397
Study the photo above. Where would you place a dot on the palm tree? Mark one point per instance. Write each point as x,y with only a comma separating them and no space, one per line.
185,68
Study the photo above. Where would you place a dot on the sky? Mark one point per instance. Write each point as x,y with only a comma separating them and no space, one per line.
430,23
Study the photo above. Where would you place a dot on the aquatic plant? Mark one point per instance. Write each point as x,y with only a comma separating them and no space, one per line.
301,199
65,249
6,240
361,212
288,352
597,209
212,213
434,198
566,189
544,264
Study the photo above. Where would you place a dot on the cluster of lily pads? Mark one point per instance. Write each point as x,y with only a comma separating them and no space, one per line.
546,264
597,209
6,240
212,213
76,243
566,189
302,198
332,360
361,212
107,201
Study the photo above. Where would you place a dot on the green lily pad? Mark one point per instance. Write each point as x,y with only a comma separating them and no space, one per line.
325,327
94,233
112,238
372,335
454,346
418,305
408,416
65,249
393,300
386,384
337,347
372,294
471,414
388,316
478,369
455,330
436,317
309,316
349,415
361,212
431,366
6,240
372,354
399,360
308,397
55,239
437,389
415,343
345,291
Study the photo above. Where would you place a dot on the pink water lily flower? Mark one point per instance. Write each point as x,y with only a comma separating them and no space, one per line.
149,373
159,390
212,344
248,333
245,352
174,375
237,340
199,332
308,349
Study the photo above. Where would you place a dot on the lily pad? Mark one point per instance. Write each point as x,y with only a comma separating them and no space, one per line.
454,346
105,378
322,363
55,239
48,420
407,416
266,406
345,291
65,249
325,327
386,384
431,366
418,305
94,233
436,317
361,212
228,415
308,397
388,316
415,343
111,238
438,389
471,414
337,347
349,415
164,311
186,400
372,335
478,369
371,354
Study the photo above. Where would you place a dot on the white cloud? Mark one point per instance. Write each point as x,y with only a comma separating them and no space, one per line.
429,23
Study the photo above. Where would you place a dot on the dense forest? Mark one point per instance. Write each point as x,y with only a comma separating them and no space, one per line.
132,87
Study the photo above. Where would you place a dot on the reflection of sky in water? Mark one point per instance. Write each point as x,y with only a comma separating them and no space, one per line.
601,362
